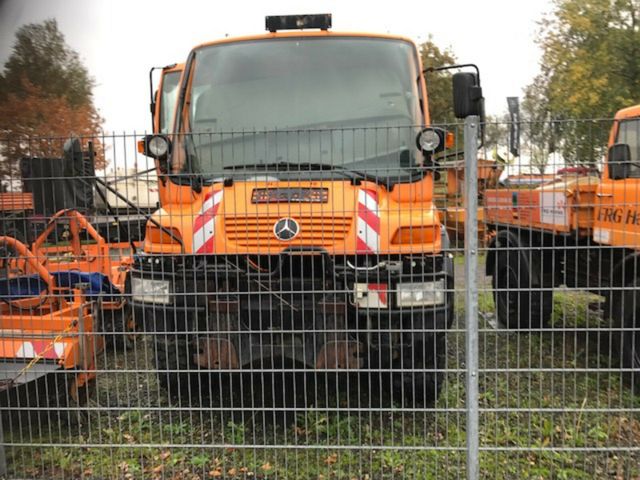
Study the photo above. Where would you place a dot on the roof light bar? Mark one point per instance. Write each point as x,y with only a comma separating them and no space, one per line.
298,22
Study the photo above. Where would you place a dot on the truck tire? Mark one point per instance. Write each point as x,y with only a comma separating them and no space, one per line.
173,362
116,328
629,342
421,389
520,303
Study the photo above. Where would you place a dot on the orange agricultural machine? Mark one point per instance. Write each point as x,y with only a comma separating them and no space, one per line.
581,230
62,302
47,326
70,243
297,223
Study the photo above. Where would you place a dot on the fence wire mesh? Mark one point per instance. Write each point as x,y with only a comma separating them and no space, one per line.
291,304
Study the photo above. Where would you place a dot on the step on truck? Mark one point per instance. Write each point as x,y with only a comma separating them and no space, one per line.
297,226
581,230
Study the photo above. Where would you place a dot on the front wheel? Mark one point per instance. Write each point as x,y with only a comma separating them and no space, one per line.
117,326
422,384
520,303
176,371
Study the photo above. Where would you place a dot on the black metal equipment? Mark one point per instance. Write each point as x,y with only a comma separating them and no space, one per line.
298,22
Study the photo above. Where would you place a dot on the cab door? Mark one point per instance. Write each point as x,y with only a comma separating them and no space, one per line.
617,220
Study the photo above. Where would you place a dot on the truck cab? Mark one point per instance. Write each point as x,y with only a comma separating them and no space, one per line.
617,216
297,224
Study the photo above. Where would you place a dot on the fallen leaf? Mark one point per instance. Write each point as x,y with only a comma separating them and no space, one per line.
232,472
266,467
331,459
215,473
164,455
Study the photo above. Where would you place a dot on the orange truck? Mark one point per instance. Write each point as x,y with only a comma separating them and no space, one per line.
297,225
580,230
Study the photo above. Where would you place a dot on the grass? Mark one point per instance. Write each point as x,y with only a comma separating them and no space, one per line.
539,410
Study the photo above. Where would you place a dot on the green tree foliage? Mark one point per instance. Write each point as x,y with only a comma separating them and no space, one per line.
439,89
45,96
589,69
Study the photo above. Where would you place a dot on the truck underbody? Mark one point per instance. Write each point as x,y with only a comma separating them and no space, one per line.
299,308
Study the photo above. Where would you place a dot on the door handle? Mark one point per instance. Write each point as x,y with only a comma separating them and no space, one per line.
601,195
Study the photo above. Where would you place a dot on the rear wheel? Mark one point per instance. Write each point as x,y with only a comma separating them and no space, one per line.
520,303
630,334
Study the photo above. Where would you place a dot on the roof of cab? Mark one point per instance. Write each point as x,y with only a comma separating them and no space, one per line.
176,67
303,33
628,112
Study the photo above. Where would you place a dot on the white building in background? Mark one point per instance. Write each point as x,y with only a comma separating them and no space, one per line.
522,164
139,187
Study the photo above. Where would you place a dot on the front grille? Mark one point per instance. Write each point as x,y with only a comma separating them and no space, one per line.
257,231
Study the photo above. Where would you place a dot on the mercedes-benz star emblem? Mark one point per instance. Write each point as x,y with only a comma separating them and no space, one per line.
286,229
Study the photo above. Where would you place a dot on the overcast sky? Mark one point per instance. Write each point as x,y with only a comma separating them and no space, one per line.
119,41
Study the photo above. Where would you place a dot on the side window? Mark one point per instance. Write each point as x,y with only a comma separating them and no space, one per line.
168,98
629,133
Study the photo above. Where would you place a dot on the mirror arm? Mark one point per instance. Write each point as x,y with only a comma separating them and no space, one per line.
451,67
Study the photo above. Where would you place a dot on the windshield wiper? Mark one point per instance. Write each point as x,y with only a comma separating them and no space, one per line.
284,166
355,175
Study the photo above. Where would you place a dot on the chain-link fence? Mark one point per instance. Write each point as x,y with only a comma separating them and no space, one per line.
322,303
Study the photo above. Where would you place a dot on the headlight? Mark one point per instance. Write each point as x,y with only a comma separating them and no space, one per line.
151,291
421,294
158,146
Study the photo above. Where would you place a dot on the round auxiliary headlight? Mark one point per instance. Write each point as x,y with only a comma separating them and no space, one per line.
158,146
429,140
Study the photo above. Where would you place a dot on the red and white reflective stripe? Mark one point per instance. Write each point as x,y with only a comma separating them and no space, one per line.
204,225
41,347
368,240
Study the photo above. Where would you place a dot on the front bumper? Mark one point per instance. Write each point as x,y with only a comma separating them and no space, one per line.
233,319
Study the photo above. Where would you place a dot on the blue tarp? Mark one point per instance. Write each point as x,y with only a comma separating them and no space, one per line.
32,285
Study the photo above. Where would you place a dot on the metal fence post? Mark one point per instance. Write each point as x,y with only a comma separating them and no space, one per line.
3,458
471,127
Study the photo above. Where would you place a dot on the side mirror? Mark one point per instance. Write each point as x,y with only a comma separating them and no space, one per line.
467,95
155,146
619,161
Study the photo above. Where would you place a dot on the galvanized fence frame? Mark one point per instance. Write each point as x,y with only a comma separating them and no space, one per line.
522,429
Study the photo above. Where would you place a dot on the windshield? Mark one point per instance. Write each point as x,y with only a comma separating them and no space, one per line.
629,133
347,102
168,97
